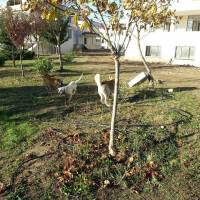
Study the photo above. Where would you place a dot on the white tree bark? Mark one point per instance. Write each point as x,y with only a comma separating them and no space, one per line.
38,46
60,57
141,54
21,64
150,77
115,103
13,57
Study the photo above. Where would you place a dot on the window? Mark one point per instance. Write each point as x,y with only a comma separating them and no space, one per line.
85,41
167,27
152,29
98,40
13,2
193,23
154,51
183,52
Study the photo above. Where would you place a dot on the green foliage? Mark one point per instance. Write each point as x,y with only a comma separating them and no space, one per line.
28,55
2,60
57,31
166,146
69,57
20,193
15,136
5,44
6,54
43,66
5,41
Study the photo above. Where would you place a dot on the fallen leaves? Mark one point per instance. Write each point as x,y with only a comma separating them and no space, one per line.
152,171
105,137
66,174
134,170
121,156
2,187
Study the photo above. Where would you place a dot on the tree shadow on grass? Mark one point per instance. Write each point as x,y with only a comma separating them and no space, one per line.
156,94
69,73
84,101
33,102
9,73
156,153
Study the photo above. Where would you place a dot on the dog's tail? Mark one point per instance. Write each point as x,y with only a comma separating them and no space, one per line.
97,79
79,78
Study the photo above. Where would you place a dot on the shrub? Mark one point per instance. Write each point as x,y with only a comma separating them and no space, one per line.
6,54
28,55
43,66
2,59
69,57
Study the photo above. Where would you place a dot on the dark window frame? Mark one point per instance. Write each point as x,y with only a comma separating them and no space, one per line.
193,23
191,53
148,52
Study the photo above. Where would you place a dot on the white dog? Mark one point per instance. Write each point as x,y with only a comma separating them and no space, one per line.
70,89
105,89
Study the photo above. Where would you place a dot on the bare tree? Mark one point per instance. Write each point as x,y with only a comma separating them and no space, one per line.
38,25
161,15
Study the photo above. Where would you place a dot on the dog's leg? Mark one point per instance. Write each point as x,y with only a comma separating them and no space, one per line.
106,100
102,98
65,100
70,98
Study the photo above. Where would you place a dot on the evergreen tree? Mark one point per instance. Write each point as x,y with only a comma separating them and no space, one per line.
7,49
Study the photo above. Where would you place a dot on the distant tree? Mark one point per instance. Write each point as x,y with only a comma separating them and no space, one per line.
56,32
38,26
7,46
17,25
152,18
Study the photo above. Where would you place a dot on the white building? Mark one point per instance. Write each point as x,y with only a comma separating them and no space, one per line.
77,39
173,43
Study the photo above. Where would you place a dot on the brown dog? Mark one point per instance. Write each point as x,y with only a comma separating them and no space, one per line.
51,83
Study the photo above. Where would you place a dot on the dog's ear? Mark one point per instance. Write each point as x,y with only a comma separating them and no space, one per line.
61,83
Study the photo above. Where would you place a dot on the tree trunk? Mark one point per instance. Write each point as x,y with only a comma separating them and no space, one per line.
38,43
141,54
114,111
21,64
31,43
13,57
150,77
60,57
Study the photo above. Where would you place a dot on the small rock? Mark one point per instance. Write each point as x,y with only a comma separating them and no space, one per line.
131,159
170,90
106,183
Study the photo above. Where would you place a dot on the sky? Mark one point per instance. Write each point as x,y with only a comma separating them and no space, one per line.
2,2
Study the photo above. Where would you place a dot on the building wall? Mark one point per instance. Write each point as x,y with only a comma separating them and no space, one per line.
68,46
92,42
75,42
168,41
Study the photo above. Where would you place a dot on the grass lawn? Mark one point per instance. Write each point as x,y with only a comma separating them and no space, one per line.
49,151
